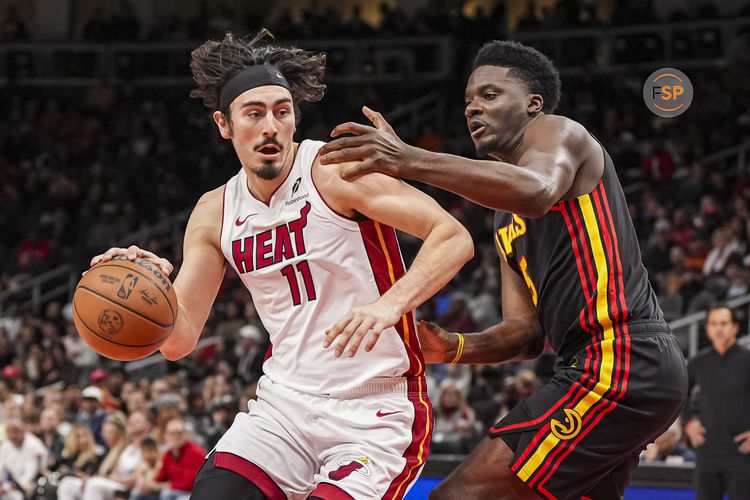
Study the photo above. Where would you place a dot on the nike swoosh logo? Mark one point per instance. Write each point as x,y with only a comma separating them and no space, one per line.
239,222
381,414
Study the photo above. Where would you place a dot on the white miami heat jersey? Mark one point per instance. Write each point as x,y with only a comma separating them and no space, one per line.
306,266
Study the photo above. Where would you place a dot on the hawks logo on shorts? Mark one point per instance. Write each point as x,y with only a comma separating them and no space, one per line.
568,429
349,465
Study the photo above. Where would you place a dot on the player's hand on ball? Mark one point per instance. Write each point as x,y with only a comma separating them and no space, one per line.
133,252
435,342
365,321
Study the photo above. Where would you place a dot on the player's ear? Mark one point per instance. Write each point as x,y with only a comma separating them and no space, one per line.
536,103
222,121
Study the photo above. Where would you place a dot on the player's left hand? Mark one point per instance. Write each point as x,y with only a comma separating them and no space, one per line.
744,439
378,149
369,320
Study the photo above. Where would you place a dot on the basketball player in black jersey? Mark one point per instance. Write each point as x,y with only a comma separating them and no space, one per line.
571,274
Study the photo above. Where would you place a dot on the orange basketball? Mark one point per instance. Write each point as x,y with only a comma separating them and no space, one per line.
124,309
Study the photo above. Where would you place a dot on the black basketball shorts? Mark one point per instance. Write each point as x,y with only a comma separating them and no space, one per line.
580,435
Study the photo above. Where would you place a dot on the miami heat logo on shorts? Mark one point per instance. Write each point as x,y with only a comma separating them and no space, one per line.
349,465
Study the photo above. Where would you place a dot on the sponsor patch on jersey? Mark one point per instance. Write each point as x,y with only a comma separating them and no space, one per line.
295,200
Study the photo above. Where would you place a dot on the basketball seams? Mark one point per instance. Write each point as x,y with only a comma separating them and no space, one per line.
101,295
169,302
80,318
147,328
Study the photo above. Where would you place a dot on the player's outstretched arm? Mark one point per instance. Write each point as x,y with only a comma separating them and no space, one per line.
446,247
200,276
543,175
519,336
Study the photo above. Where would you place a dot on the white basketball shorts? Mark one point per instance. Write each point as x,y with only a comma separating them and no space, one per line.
367,443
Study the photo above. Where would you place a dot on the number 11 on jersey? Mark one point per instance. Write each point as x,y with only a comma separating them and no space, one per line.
303,268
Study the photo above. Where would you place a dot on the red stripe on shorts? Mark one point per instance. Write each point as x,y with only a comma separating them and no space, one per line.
251,472
421,432
330,492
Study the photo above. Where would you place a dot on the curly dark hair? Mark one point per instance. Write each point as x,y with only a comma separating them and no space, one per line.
215,62
525,64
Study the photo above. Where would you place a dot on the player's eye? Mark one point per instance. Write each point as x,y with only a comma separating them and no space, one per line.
490,95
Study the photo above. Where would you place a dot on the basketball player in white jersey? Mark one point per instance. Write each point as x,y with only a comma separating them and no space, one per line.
319,255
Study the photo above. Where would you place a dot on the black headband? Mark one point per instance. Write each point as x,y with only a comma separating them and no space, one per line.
249,78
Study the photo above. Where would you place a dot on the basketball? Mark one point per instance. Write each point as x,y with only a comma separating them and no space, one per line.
124,309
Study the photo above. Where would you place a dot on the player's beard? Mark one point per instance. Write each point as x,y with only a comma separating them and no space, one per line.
269,170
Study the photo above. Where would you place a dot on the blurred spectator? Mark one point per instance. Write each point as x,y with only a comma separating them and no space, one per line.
22,458
458,317
658,165
166,410
738,280
13,378
656,255
483,397
81,455
456,427
526,383
117,471
456,375
669,448
483,298
7,349
723,249
146,471
718,417
232,321
91,413
250,354
50,437
136,401
180,463
680,231
11,320
157,389
116,439
33,253
115,377
84,358
222,415
11,411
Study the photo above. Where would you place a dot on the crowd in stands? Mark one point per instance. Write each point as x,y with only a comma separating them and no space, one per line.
120,22
80,174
